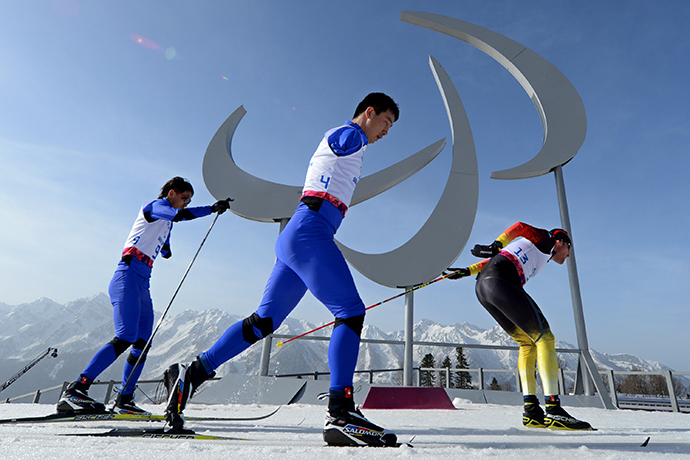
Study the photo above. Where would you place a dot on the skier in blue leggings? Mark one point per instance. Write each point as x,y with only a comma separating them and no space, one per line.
307,258
130,296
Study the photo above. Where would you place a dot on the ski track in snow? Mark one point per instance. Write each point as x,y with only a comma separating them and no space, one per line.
473,431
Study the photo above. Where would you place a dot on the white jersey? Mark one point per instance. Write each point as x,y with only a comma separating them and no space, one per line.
335,174
528,259
146,239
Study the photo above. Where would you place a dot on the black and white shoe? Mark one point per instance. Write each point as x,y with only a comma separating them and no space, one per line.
126,405
557,418
175,380
354,429
75,400
347,426
182,380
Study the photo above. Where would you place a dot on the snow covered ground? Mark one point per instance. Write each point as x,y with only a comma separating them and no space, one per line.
473,431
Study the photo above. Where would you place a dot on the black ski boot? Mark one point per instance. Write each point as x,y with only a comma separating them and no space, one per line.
533,415
347,426
76,400
126,405
182,380
557,418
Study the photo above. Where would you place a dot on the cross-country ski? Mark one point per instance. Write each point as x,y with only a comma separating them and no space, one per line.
54,418
158,433
471,431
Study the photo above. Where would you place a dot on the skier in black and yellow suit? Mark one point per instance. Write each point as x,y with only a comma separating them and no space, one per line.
515,257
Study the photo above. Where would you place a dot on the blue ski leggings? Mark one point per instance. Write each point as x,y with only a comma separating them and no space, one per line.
133,317
306,258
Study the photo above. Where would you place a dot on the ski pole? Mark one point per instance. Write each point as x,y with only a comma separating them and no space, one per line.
412,289
148,344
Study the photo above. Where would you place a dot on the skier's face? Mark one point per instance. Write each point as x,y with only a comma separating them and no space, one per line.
561,251
376,125
179,200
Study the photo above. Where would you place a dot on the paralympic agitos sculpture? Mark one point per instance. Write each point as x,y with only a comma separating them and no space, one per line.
441,239
428,253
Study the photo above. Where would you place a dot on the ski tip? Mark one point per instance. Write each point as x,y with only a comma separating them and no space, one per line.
646,441
408,443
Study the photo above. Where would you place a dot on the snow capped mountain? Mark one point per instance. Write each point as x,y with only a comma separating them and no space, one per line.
79,328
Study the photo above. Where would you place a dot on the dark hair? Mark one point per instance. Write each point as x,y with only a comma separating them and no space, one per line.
560,234
178,184
380,102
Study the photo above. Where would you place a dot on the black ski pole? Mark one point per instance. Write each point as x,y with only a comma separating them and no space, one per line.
148,344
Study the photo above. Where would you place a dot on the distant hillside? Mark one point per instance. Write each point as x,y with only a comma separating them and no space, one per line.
79,328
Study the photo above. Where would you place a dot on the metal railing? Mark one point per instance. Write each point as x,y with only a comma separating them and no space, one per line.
111,384
622,403
619,400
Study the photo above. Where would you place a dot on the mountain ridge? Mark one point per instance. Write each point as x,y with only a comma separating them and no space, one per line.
80,327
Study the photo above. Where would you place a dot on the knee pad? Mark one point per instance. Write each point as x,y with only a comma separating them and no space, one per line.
136,351
264,325
119,345
355,323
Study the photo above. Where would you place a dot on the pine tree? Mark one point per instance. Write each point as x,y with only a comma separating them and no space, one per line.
461,379
494,385
446,364
427,378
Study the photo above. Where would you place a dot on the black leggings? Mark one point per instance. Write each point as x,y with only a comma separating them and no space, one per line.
499,290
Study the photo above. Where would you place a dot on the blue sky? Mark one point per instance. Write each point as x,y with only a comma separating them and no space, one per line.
102,102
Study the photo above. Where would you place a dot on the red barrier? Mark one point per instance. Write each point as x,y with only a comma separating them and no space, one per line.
407,398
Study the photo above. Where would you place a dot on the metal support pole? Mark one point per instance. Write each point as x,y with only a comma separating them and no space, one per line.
586,360
268,340
577,388
612,388
671,391
266,355
409,336
518,382
109,391
572,274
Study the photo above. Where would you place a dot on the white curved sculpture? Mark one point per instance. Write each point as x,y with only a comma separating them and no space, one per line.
437,244
559,105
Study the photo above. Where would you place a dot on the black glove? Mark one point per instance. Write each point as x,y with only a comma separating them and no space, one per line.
166,253
458,273
221,206
486,252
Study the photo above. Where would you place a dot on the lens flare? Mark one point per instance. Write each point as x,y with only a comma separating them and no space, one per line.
143,41
169,52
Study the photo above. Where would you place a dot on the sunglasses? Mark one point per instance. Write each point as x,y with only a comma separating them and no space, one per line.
185,198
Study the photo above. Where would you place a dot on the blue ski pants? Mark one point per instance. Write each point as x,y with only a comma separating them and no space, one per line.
133,318
306,258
